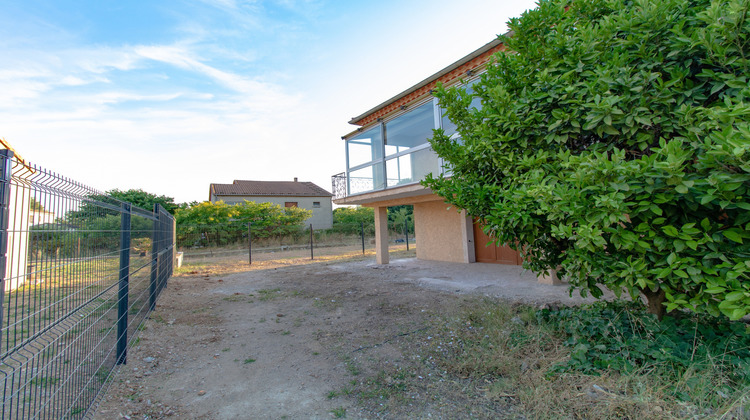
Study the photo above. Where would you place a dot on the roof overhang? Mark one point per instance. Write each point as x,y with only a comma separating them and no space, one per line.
407,194
448,75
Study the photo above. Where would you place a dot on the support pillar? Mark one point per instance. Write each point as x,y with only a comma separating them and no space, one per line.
549,278
467,238
381,235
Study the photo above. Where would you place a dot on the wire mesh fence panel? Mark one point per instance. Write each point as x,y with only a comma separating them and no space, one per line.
63,279
228,244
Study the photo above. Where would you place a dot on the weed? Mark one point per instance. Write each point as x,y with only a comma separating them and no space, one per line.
315,353
339,412
268,294
157,318
262,320
102,374
77,410
248,361
387,385
327,303
225,349
332,395
351,367
237,297
286,332
346,391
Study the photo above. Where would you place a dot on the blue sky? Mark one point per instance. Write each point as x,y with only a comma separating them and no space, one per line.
172,96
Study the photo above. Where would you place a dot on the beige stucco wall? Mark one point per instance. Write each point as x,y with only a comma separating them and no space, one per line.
441,233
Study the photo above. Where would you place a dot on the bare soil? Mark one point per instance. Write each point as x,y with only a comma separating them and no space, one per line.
302,340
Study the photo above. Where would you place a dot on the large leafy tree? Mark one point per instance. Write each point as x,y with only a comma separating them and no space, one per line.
352,220
613,144
143,199
95,206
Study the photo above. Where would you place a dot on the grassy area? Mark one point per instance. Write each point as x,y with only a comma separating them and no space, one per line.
607,360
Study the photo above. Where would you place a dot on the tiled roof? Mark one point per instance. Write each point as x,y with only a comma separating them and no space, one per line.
472,62
270,188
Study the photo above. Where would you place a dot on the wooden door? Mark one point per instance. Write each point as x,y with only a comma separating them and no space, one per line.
491,253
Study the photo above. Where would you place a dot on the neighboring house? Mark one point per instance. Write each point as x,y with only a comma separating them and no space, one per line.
305,195
389,154
37,217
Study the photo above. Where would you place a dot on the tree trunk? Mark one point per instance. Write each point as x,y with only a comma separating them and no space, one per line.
655,302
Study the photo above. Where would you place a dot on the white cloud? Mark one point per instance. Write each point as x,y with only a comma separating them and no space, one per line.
209,106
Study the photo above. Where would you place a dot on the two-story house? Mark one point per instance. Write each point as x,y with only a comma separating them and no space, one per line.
389,154
304,195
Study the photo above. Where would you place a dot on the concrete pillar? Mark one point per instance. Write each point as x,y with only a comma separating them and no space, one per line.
381,235
549,278
467,238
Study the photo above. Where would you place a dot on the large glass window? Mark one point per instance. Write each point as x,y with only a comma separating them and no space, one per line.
365,147
476,103
411,167
410,129
447,125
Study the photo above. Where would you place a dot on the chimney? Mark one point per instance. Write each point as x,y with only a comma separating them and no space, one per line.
295,179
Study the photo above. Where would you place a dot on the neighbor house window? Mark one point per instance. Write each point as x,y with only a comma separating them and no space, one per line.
290,204
316,204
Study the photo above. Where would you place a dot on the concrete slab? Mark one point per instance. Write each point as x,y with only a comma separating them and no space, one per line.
508,282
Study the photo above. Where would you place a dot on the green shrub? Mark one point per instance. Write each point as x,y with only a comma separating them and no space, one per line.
613,144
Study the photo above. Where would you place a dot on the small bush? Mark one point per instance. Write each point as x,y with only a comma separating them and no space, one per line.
621,337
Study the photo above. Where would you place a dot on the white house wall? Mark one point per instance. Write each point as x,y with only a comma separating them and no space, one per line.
322,218
16,264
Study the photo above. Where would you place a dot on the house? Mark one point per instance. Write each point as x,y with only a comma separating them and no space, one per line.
304,195
39,216
389,154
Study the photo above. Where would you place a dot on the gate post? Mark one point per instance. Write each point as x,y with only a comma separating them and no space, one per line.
122,308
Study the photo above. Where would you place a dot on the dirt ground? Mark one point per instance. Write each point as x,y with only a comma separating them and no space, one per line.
291,341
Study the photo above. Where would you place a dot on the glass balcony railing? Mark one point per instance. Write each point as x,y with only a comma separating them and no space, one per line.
403,169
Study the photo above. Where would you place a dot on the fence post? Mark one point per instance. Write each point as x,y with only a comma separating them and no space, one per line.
173,244
362,227
6,171
311,242
250,242
154,258
122,308
406,232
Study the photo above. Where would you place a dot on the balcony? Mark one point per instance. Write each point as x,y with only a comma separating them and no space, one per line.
391,153
403,169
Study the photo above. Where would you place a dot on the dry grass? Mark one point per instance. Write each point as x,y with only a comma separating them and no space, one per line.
508,356
283,259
